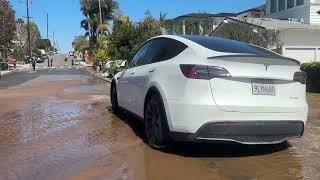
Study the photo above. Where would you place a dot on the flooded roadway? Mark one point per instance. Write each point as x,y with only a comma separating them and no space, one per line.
57,127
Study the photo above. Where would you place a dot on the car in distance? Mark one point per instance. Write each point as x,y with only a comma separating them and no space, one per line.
71,53
200,88
39,59
44,57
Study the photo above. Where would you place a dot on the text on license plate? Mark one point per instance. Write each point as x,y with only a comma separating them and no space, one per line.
261,88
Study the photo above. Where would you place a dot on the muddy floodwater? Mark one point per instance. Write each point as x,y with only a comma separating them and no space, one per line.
57,127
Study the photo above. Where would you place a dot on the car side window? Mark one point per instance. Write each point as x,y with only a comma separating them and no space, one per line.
157,50
139,57
167,49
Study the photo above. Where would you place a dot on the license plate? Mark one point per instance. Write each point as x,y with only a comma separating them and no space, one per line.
263,88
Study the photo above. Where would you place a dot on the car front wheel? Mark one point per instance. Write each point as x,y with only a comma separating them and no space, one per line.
155,122
114,98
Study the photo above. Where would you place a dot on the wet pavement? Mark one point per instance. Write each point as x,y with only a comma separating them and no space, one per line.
56,126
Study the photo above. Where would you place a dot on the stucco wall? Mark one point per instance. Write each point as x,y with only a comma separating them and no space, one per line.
314,15
303,45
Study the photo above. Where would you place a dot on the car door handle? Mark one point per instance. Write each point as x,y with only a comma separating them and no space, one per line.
151,71
133,73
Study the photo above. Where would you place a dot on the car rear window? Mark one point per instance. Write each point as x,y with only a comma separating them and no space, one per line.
227,45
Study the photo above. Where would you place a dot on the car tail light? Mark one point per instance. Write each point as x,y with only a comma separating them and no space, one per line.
203,72
300,77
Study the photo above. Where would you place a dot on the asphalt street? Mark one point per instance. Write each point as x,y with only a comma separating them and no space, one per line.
58,68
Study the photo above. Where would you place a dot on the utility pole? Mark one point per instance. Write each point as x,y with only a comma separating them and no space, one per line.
89,26
57,46
100,11
53,41
28,29
47,26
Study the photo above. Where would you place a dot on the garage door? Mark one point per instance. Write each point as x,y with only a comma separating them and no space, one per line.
301,54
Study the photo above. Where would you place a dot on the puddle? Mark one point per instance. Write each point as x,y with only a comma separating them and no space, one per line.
88,88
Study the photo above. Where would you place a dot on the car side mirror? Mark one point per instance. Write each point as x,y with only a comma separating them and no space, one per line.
124,64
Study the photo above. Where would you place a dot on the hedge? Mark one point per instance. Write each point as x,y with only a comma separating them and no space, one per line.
313,76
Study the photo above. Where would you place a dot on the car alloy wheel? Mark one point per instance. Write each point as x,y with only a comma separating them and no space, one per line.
156,128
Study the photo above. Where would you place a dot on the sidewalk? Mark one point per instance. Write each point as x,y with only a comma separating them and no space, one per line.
19,68
85,64
96,74
107,79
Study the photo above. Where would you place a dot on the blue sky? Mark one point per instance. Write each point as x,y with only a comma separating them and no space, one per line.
65,15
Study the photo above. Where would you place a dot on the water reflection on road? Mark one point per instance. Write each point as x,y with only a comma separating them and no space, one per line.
62,130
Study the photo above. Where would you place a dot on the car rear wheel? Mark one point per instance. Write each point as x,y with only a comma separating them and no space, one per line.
155,122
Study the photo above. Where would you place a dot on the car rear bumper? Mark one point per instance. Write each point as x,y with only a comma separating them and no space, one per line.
260,132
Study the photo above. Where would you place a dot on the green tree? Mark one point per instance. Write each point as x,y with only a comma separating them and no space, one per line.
101,55
7,23
127,37
90,9
44,44
20,37
122,39
34,36
80,44
101,52
250,34
148,27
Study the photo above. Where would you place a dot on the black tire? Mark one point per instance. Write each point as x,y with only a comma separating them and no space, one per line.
114,98
155,123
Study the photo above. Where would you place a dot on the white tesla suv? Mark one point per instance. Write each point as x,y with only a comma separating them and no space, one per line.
194,88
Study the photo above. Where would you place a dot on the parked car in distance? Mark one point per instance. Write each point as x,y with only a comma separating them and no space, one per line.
27,60
45,57
200,88
39,59
71,53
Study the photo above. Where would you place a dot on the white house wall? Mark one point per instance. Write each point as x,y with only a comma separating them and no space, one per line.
314,15
302,45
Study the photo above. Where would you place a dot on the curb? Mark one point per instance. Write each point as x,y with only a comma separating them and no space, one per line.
92,72
106,79
10,72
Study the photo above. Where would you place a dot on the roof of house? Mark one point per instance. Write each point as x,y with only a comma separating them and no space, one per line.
256,9
204,15
276,24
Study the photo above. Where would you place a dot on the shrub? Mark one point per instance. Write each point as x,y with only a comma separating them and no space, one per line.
313,76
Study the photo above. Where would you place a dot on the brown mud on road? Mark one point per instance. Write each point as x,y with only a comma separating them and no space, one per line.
57,127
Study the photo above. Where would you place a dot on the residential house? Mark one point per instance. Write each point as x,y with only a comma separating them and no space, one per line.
206,23
298,40
304,11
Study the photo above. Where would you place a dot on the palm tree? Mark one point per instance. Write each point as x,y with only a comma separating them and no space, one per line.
91,11
162,18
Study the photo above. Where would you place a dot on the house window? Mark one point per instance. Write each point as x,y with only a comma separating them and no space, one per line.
273,8
281,5
300,2
290,4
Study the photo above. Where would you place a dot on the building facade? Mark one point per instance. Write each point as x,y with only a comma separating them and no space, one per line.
296,11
